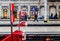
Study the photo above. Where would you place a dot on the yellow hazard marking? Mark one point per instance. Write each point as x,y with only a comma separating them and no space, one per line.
48,20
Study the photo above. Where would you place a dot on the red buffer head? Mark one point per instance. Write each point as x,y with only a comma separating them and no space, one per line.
22,24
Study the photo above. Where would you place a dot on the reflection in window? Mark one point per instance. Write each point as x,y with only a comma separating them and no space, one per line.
24,8
5,12
15,12
53,12
33,11
41,12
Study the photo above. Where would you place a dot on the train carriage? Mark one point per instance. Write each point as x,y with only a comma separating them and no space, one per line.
48,15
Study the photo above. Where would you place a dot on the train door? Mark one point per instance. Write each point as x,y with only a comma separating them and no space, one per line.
5,11
33,11
24,10
53,12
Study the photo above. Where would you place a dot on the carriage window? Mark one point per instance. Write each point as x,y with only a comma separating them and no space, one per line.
5,12
41,12
15,12
53,13
33,10
24,9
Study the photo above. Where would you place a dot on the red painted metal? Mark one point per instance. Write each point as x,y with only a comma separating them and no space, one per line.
22,24
12,18
12,6
15,36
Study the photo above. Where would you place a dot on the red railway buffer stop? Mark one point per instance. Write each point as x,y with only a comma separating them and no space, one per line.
19,35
